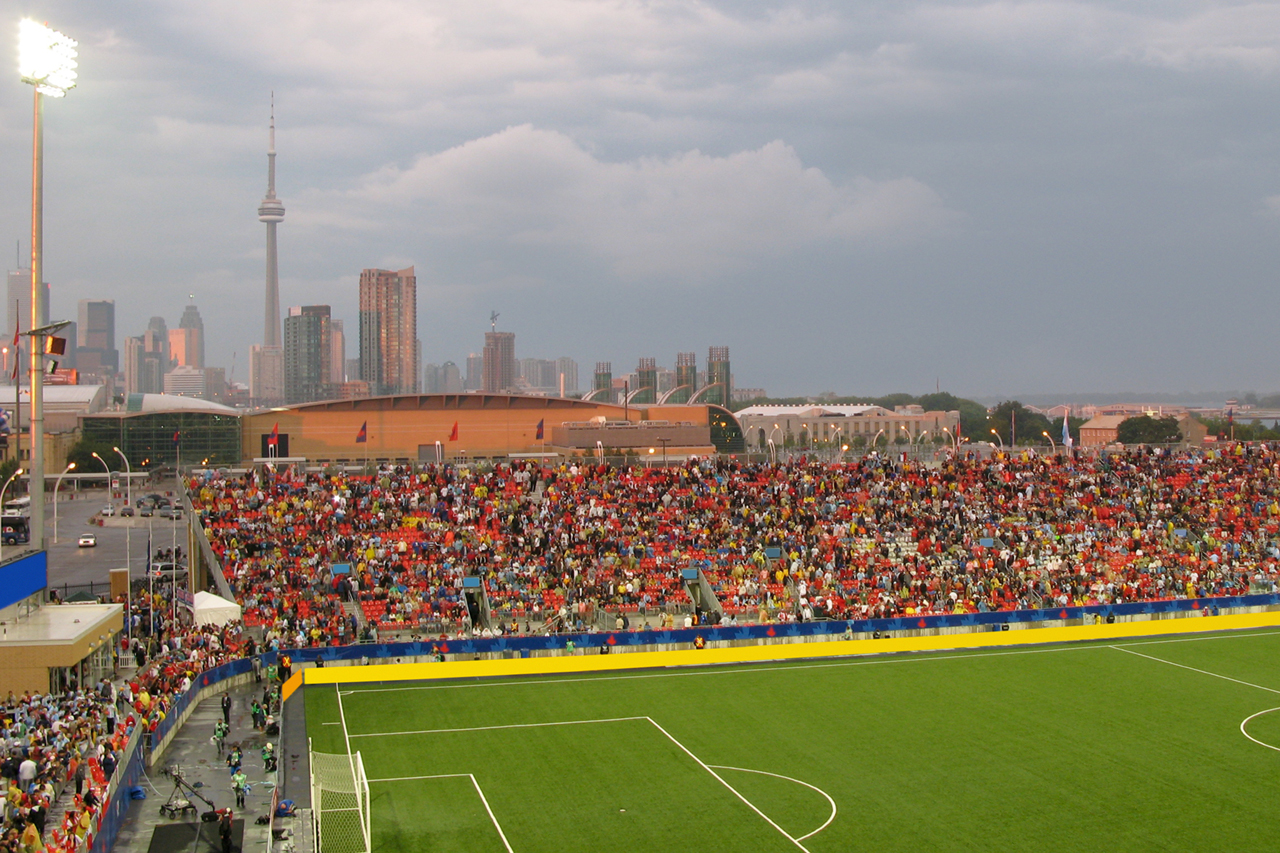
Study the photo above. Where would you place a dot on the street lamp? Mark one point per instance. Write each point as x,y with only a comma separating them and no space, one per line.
998,438
46,60
56,486
106,468
773,453
4,488
1052,444
128,501
876,437
648,459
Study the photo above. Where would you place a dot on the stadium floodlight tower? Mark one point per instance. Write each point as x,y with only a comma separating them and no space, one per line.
46,60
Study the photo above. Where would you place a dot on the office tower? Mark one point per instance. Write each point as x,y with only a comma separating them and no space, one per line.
97,358
567,379
602,382
352,373
308,354
19,302
475,372
194,325
499,362
266,360
337,352
186,381
718,375
450,378
646,387
389,349
183,345
146,360
431,379
686,377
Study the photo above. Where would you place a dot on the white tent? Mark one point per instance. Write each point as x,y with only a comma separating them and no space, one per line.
213,609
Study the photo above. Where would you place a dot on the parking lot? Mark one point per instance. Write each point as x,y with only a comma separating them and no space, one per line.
121,541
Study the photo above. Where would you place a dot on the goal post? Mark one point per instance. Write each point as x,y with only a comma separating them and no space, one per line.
340,803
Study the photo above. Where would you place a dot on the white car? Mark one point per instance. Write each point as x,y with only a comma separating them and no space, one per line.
88,540
109,509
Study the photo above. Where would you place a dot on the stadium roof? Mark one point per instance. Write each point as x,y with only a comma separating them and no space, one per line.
174,403
810,410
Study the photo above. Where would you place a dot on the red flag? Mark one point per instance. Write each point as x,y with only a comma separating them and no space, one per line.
176,435
539,435
453,436
16,359
363,435
273,439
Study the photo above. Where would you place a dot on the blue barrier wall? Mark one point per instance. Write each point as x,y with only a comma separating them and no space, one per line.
765,632
111,818
23,577
757,633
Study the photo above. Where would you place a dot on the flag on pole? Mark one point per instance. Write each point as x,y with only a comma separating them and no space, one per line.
453,435
363,435
1066,432
538,437
16,359
273,440
177,436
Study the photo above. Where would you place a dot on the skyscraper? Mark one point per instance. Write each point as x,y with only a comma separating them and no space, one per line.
19,301
686,377
499,362
475,372
192,321
337,352
389,331
568,378
308,354
718,374
266,362
646,387
97,358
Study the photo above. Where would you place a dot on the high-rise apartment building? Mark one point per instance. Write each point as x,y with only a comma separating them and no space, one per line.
718,375
146,360
337,352
475,373
450,378
308,355
567,379
389,348
193,324
499,362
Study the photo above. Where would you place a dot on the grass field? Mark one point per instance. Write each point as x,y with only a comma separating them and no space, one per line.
1134,745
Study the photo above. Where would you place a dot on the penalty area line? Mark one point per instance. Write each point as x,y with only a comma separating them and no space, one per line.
495,728
483,799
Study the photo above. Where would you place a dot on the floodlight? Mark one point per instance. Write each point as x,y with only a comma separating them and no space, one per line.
46,58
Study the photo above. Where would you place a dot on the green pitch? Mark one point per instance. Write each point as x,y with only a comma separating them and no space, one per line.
1126,746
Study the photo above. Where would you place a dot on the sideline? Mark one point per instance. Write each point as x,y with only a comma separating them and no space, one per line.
589,663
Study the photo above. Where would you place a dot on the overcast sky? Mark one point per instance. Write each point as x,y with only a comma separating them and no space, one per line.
859,197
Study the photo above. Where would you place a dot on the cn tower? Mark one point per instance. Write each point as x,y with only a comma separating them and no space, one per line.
271,211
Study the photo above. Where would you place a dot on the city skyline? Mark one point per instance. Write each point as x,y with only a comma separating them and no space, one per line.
994,199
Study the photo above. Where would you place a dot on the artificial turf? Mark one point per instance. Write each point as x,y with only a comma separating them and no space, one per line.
1079,747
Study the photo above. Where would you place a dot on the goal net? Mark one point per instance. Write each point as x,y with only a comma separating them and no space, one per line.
340,803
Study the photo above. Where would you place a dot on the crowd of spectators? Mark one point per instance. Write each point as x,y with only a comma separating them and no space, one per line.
582,545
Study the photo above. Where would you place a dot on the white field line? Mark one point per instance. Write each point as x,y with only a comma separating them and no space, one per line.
510,726
496,825
1245,723
365,830
732,789
1193,669
834,810
484,800
735,669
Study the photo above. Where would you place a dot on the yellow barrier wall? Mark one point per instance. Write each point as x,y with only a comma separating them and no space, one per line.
592,662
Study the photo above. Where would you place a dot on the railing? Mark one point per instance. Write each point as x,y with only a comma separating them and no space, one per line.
115,803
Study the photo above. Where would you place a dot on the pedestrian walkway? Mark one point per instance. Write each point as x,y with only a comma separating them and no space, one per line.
193,756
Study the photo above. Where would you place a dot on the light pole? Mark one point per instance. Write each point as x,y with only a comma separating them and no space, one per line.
648,459
876,438
998,438
3,489
128,501
56,486
664,442
773,453
46,60
955,446
106,468
1052,444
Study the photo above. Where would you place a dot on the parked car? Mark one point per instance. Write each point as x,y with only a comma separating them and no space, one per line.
169,571
165,512
126,511
146,512
109,510
88,540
